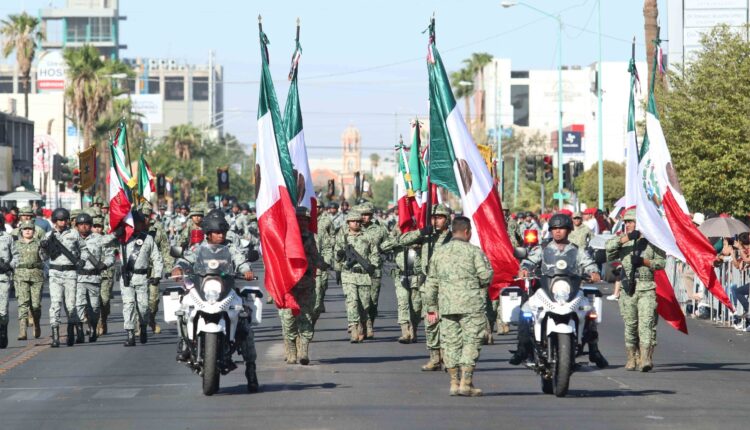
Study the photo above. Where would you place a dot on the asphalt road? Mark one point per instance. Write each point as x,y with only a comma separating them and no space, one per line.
700,382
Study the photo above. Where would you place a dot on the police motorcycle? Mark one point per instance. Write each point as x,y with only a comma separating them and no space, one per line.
211,313
557,312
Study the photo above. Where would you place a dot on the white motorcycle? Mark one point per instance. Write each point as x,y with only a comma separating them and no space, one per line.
211,314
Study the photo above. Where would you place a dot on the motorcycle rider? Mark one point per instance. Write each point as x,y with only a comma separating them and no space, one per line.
215,229
560,226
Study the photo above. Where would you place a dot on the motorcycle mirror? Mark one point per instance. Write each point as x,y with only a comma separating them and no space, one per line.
520,252
175,251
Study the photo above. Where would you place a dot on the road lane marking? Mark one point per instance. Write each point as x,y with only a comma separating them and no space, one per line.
22,356
117,393
37,395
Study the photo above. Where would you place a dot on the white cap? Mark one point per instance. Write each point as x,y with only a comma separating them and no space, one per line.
698,218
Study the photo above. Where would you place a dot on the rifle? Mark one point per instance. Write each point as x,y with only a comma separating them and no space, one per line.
628,282
54,245
353,257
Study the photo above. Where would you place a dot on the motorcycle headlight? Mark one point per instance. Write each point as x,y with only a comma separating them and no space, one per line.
561,291
212,290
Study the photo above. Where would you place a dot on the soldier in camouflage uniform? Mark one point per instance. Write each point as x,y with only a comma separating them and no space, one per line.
325,241
194,223
105,217
141,259
107,275
301,328
28,279
377,234
62,272
26,214
582,233
639,261
355,278
456,290
156,231
9,258
406,281
101,256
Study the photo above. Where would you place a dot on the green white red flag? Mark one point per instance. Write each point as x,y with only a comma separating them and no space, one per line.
146,180
456,165
280,239
120,182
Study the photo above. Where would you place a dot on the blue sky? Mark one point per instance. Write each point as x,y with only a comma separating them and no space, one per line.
342,38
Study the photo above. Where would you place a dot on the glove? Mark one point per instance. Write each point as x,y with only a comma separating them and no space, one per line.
371,270
634,235
154,281
44,243
340,254
4,267
636,261
426,231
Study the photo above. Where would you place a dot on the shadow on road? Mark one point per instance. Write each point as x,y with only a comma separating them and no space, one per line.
270,388
588,393
693,367
366,360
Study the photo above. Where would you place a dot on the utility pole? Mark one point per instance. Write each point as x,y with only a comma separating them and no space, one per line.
599,113
515,182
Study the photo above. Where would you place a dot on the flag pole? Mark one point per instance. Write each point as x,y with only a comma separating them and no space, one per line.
634,73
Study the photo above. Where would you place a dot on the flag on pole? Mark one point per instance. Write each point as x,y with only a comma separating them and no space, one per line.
283,254
120,197
418,173
456,165
407,208
661,209
146,183
304,190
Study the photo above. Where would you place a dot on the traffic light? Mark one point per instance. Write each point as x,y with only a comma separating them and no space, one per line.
222,179
66,174
568,175
547,170
57,162
578,169
531,168
161,185
76,180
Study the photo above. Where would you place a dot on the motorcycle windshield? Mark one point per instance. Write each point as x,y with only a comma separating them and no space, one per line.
564,264
213,260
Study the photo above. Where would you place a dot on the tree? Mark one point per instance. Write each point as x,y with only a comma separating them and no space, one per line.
21,33
461,90
184,139
382,192
706,118
587,185
374,162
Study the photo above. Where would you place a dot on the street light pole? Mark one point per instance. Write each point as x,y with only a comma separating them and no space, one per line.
599,114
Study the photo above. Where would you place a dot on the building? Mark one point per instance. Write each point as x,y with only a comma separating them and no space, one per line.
351,144
92,22
16,152
688,19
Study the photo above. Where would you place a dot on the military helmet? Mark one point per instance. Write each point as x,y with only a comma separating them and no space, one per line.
561,221
25,211
629,215
97,220
333,205
353,216
105,205
74,213
27,224
303,212
244,207
60,214
196,211
441,210
214,223
84,218
366,208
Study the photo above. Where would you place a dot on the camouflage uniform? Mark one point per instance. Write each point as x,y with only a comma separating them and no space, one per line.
355,280
63,277
456,289
325,241
638,304
406,281
141,258
107,277
581,236
38,231
513,231
377,234
9,257
88,291
28,279
156,231
184,237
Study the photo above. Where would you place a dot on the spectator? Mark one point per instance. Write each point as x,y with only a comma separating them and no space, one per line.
40,221
10,222
590,220
741,261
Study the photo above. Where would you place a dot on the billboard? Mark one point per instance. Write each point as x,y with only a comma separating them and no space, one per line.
50,72
148,105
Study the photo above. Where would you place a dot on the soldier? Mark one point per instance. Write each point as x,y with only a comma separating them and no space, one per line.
337,218
301,328
67,253
8,261
27,214
180,218
325,241
28,279
105,217
582,233
406,281
100,257
196,218
456,290
73,214
357,257
106,275
377,234
639,261
141,258
156,231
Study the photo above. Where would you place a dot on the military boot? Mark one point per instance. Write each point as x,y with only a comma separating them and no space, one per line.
252,378
413,331
3,335
434,362
71,339
405,334
144,333
291,348
455,380
369,332
503,329
80,335
101,328
632,353
130,340
354,330
92,333
37,323
304,347
22,328
467,386
55,337
647,358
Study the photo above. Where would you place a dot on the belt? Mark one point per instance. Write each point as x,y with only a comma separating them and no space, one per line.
138,272
358,270
89,272
29,266
65,268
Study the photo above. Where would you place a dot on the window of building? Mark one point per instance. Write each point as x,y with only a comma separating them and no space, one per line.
519,74
76,29
128,85
153,86
101,29
6,84
200,88
519,98
174,88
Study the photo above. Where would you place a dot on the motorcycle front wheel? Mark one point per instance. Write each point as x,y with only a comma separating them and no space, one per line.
563,349
210,363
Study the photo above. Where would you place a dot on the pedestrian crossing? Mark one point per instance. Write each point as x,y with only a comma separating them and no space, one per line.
51,394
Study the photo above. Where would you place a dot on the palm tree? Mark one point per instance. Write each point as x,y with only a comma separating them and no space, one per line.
651,29
21,34
461,90
184,138
374,162
475,64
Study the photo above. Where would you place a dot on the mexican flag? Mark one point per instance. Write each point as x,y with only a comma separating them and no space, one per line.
304,192
456,165
407,208
280,239
120,182
418,173
661,211
146,183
